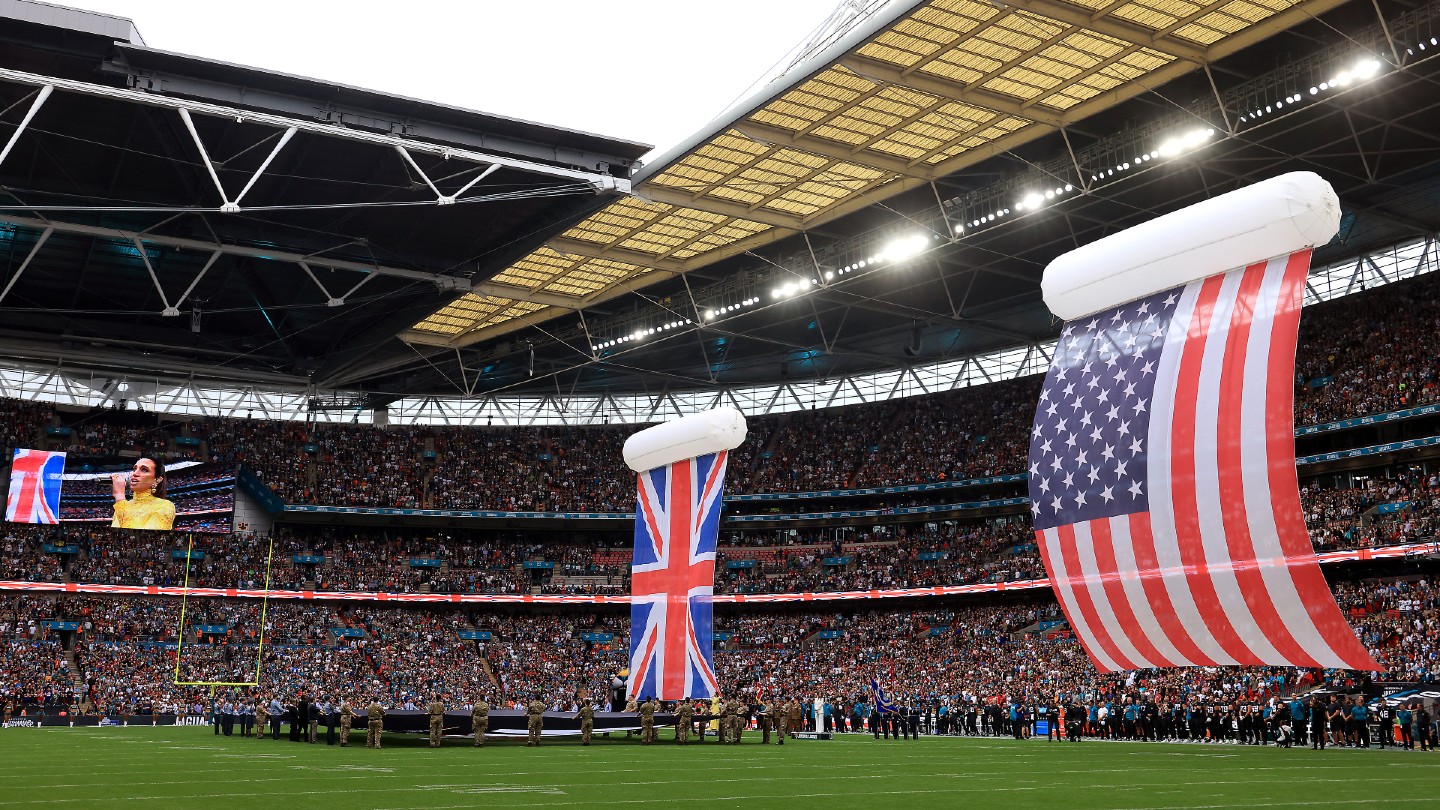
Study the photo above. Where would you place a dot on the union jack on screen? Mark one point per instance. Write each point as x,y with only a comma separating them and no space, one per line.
35,478
672,579
1163,487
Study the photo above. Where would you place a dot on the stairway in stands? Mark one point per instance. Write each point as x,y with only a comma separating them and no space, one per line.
77,679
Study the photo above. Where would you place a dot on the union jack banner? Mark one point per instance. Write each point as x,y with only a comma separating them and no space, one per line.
672,579
35,478
1163,486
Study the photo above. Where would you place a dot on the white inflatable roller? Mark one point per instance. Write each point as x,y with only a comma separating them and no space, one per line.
687,437
1271,218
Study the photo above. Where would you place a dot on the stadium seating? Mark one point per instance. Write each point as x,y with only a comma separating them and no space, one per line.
126,652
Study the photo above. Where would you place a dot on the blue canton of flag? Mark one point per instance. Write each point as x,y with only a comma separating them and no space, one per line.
672,579
1088,446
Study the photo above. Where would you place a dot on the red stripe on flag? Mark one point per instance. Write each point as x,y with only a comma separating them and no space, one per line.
1084,602
1142,540
1284,484
1182,474
1104,547
1230,450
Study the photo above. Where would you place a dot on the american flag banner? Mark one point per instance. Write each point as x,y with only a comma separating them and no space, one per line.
673,579
35,479
1163,487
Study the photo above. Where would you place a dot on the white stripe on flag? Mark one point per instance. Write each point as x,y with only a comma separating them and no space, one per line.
1065,590
1209,504
1162,508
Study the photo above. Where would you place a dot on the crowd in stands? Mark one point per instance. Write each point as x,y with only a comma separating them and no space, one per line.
38,668
543,656
903,556
966,433
21,557
956,653
1359,513
1400,623
1400,507
22,424
1370,353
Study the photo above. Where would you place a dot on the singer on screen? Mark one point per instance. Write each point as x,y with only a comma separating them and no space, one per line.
147,509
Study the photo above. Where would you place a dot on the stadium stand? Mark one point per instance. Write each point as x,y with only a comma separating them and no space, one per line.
954,654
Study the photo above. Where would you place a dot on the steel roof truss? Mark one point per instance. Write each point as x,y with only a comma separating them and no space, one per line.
214,254
330,299
228,205
40,97
599,182
34,249
440,197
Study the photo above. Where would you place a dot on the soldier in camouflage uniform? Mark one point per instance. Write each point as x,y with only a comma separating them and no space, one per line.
684,718
347,716
480,721
792,718
587,722
260,718
780,712
535,714
647,721
738,719
722,715
437,721
376,715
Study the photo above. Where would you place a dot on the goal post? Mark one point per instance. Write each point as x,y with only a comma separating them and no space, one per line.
180,631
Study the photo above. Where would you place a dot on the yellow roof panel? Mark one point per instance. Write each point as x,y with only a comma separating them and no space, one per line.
948,77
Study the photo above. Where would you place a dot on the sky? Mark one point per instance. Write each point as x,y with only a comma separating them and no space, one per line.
652,71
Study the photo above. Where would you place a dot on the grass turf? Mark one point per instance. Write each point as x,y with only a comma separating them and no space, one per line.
190,768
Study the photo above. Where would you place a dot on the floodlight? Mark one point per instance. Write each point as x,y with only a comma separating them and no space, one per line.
898,250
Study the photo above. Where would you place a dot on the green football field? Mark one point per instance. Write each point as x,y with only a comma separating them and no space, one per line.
190,767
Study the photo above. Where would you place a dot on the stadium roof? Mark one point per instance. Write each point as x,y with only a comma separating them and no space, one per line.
919,92
760,252
165,213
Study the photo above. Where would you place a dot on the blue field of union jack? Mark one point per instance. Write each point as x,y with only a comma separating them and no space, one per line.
35,481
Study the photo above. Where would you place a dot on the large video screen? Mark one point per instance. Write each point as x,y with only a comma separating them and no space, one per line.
125,493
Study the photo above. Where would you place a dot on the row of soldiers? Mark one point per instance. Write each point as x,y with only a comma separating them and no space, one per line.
731,717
